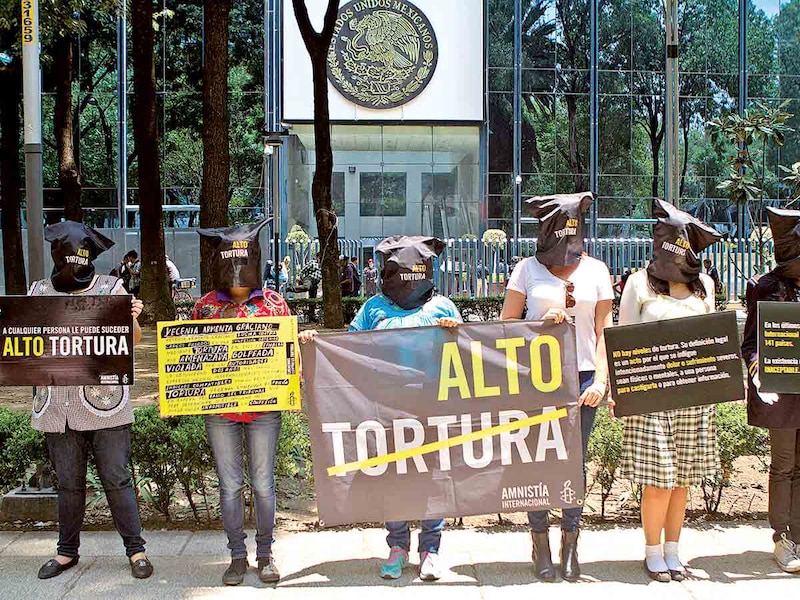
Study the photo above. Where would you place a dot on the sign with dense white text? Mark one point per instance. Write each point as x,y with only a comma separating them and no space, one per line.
779,347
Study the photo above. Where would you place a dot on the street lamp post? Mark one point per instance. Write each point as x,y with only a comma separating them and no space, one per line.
272,146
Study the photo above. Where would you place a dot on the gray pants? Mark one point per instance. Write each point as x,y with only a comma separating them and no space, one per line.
784,482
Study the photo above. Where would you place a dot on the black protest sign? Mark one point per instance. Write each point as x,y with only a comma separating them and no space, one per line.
66,340
674,363
430,422
779,347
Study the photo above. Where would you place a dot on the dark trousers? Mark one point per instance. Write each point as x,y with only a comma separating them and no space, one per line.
313,288
112,451
784,482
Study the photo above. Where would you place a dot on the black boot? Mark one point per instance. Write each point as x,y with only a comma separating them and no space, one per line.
542,561
570,569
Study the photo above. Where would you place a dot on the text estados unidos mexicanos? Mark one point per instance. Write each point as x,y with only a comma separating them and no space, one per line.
409,433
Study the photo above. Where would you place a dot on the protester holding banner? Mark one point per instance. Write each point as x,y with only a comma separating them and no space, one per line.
562,282
78,419
407,300
238,293
780,413
667,452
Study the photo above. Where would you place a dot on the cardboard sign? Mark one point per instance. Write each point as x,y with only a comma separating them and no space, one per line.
675,363
66,340
779,347
228,366
427,423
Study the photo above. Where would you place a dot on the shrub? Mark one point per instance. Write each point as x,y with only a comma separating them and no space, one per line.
311,308
194,459
484,309
294,446
605,453
20,447
735,439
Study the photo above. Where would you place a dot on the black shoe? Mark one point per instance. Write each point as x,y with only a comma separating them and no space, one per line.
267,571
570,569
677,575
234,574
542,561
142,568
660,576
53,568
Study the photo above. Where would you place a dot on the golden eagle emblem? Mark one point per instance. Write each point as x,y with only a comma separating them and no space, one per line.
383,53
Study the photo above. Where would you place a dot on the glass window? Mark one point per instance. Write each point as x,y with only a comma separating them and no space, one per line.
337,193
382,194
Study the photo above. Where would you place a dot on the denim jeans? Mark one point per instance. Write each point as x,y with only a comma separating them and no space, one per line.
784,482
430,535
570,517
112,452
227,439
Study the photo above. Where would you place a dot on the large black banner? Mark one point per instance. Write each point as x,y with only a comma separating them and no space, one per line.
779,347
433,422
66,340
675,363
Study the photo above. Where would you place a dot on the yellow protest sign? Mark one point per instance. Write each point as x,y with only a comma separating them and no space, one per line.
228,366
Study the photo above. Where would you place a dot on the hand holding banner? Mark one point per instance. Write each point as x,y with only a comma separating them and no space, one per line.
429,422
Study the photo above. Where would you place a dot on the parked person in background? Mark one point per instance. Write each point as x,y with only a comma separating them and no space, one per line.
370,279
619,286
83,419
238,294
346,276
712,272
407,302
561,282
356,276
668,452
780,413
172,271
311,275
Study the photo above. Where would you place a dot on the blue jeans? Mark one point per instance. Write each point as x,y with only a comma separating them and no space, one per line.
570,517
112,453
430,535
226,439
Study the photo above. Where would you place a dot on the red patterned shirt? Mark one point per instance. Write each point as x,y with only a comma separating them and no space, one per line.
217,304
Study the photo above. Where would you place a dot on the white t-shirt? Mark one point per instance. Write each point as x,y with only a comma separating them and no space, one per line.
640,304
172,271
544,291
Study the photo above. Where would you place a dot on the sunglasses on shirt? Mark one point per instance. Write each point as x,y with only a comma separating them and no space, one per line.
569,298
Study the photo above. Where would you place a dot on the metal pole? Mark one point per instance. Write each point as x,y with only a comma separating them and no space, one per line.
276,203
517,166
32,103
672,170
593,116
741,224
122,117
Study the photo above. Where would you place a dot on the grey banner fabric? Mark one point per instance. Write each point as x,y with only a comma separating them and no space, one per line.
387,410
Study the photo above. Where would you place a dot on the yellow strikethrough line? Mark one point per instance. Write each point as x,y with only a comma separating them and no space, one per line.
448,443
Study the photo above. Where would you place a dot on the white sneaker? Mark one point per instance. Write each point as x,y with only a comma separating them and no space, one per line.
430,567
786,555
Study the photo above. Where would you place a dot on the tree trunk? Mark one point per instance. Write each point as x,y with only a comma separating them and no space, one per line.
216,152
317,45
684,167
574,158
155,290
11,178
69,178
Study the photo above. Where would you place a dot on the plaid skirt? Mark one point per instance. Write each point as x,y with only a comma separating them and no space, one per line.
676,448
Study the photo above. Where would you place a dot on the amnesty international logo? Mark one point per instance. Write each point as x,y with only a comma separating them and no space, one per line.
383,53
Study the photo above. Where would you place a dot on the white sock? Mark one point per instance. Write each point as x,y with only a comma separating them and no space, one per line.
654,559
671,556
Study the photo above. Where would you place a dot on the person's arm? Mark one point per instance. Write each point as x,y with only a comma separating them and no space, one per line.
136,310
630,305
513,305
597,391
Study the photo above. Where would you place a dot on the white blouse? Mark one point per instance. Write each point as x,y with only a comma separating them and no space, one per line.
640,304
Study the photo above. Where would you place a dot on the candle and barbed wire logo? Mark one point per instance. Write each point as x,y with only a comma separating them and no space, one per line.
383,53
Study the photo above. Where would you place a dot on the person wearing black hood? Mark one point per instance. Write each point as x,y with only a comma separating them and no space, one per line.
780,413
668,452
561,282
407,300
78,419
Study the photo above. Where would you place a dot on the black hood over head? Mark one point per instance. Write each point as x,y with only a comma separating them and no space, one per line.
678,240
785,227
407,274
74,246
237,255
561,227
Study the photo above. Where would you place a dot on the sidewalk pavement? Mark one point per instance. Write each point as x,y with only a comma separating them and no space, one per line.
483,564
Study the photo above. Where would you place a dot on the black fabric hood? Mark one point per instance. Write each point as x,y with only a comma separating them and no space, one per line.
237,255
785,227
407,274
74,246
678,240
561,226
